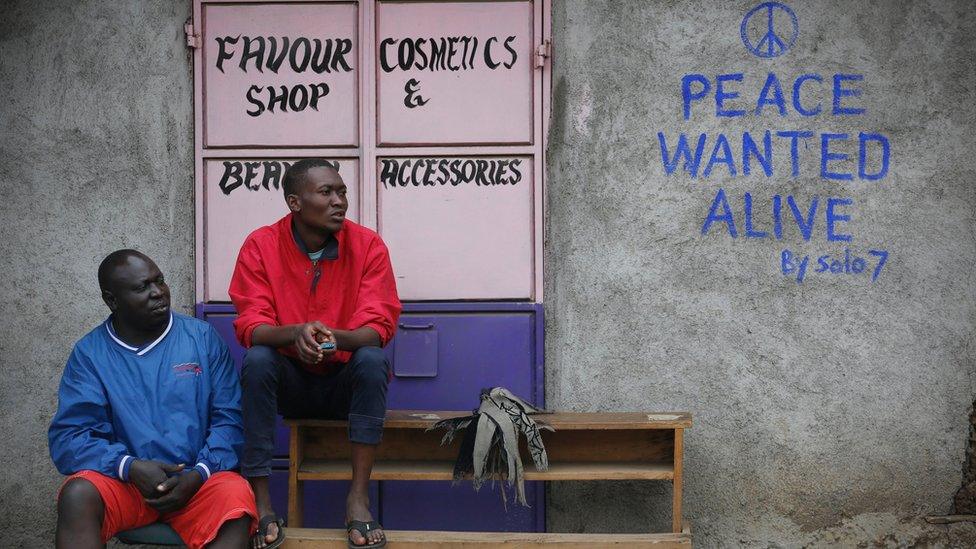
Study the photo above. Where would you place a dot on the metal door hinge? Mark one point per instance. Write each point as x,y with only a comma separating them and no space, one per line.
192,38
542,52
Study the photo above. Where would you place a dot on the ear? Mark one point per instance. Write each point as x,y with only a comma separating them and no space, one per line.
109,300
294,203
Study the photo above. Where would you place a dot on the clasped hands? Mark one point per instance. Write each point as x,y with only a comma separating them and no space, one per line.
165,487
309,337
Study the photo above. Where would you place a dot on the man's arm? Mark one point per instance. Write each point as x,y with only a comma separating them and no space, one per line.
377,306
81,435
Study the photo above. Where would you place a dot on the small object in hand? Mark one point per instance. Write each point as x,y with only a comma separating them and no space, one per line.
327,346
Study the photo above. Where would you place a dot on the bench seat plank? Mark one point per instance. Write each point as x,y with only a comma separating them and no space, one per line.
317,469
422,419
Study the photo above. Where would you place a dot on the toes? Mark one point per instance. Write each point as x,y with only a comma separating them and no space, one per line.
357,538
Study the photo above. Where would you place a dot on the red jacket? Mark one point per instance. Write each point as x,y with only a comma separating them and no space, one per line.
272,284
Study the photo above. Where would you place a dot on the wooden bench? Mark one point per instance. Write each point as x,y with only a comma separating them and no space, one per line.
585,446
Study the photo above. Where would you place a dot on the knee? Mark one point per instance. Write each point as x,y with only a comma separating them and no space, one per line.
370,365
79,496
260,363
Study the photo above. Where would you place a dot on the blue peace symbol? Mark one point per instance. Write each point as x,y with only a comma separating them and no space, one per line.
771,44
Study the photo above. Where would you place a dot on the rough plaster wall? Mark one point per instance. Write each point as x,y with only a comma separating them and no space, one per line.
831,412
96,154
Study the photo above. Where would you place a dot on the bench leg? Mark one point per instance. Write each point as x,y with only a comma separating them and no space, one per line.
295,495
676,496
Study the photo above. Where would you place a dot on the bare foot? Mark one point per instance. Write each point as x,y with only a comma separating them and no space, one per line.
357,508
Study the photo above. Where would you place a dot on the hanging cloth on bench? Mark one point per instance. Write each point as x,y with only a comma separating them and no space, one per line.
490,447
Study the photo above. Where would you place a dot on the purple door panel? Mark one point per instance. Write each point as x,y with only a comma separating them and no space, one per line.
427,505
468,351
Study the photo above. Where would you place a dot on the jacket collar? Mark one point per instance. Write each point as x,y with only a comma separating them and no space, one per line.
331,250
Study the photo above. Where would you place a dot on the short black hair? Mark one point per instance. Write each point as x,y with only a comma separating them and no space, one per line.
295,174
113,260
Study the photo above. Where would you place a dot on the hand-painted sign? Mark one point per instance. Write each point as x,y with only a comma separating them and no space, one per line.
478,212
787,152
775,27
280,75
454,72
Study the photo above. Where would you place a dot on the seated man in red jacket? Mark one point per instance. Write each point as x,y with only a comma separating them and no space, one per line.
310,279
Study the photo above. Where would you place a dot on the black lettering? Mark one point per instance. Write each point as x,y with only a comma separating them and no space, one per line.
250,97
293,57
231,178
257,54
442,169
482,168
272,176
405,54
467,176
500,174
296,105
318,91
250,174
516,162
429,171
466,42
388,173
413,173
400,180
274,58
421,54
452,43
222,52
474,51
384,64
343,46
320,57
455,170
438,54
509,40
488,60
282,99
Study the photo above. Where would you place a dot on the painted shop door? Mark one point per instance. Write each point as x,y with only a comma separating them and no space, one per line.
435,116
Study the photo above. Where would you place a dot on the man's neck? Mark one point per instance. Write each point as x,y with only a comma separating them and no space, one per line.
313,239
137,337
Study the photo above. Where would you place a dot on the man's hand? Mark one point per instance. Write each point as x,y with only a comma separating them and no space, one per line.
308,336
177,491
150,476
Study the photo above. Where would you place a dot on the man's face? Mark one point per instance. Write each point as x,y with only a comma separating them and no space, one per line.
322,201
137,294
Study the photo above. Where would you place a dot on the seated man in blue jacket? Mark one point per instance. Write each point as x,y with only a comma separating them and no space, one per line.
149,421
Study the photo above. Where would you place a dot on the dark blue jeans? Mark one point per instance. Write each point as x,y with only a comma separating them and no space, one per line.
273,383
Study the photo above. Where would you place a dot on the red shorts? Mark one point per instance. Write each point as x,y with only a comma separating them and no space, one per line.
225,496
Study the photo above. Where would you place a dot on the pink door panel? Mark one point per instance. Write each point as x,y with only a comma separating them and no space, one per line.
458,228
241,195
454,72
280,75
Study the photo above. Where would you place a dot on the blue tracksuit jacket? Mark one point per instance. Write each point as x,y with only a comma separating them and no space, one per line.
176,399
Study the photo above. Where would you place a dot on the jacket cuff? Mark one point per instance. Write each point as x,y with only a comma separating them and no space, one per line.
124,465
203,469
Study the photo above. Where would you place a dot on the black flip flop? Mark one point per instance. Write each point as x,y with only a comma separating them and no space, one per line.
263,530
363,528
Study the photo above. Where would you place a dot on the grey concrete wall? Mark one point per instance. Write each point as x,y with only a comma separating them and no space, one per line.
96,153
832,412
